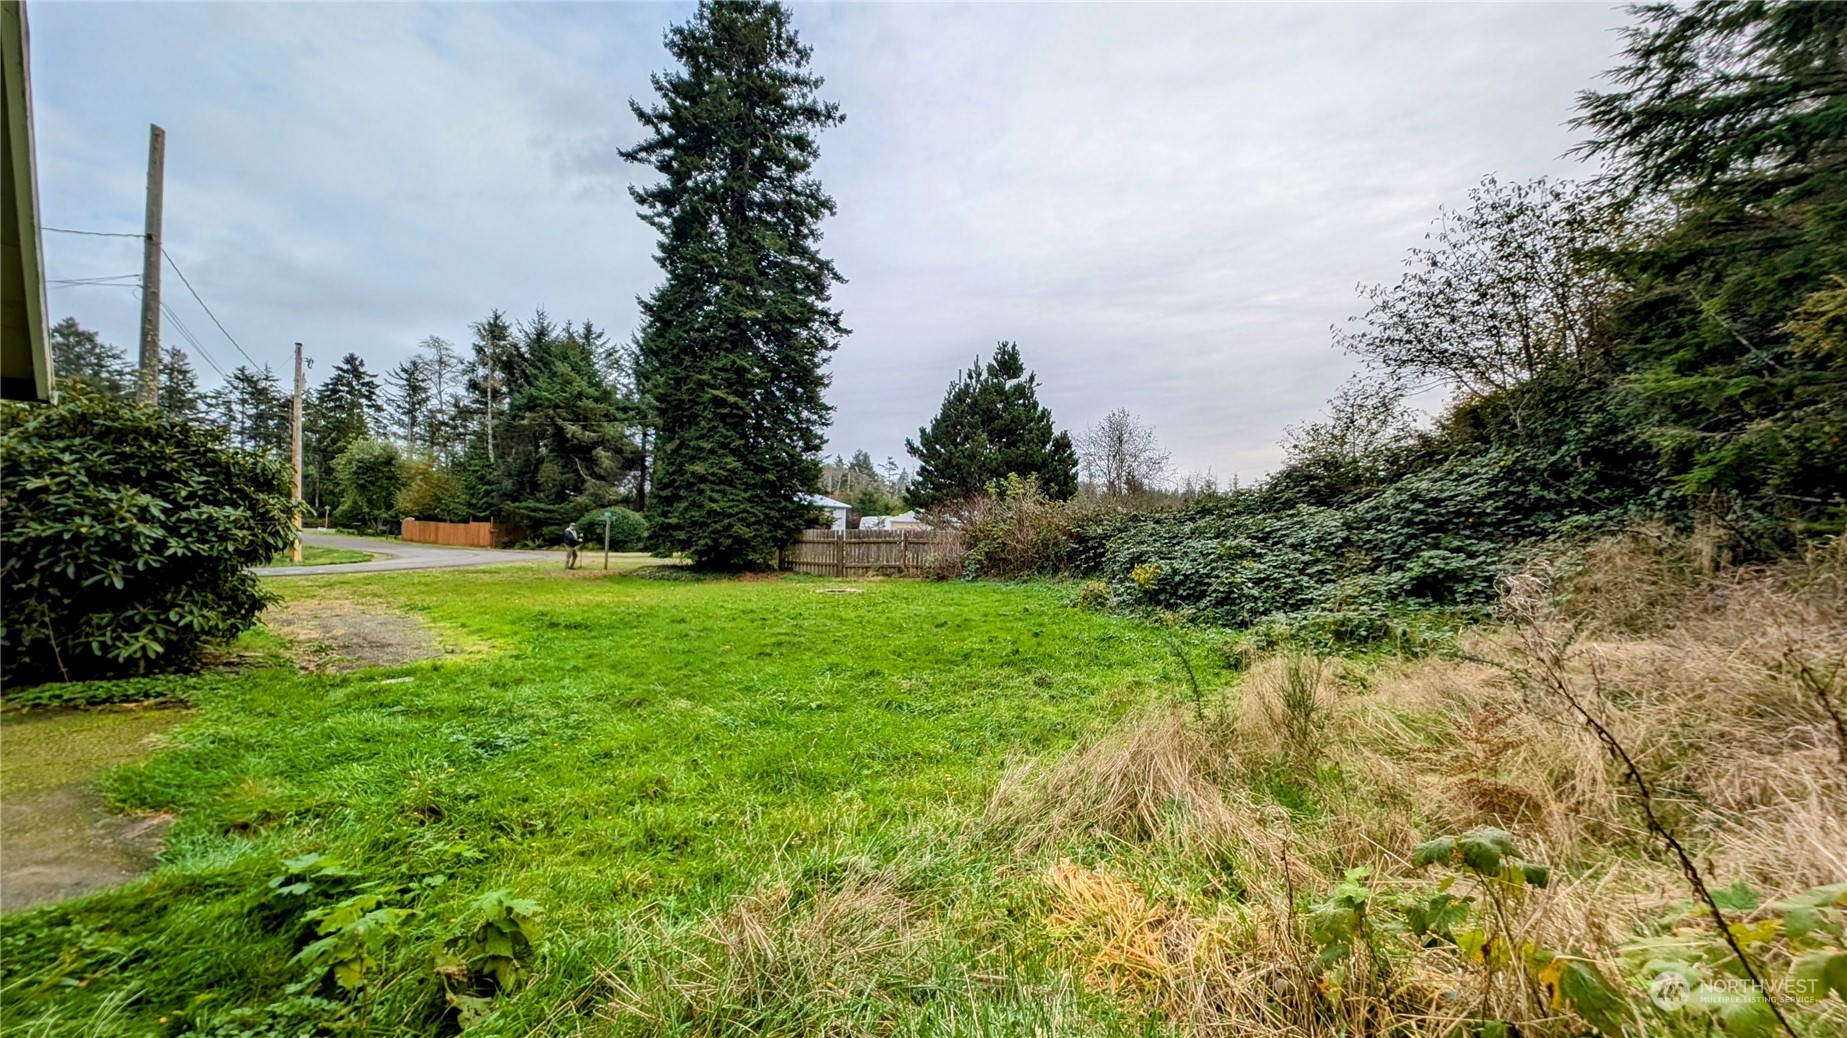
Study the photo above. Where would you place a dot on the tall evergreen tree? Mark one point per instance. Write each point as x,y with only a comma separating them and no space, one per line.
564,449
179,387
445,425
410,394
991,426
735,337
256,410
343,409
1732,117
494,352
80,355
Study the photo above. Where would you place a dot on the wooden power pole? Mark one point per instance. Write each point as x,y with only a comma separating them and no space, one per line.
295,444
147,382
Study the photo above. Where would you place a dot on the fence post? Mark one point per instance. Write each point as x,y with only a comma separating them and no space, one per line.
840,554
904,551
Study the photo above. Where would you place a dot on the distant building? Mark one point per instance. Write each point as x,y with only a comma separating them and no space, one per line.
904,521
836,510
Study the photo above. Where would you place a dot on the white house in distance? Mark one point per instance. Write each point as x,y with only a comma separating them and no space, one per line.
904,521
836,510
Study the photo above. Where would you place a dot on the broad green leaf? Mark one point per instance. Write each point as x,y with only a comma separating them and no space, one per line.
1799,921
1745,1014
1582,987
1819,973
1432,852
1739,897
1482,850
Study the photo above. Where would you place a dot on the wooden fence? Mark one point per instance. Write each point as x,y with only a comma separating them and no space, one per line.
874,553
463,535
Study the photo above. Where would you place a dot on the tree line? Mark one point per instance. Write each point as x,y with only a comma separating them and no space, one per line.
534,421
1664,342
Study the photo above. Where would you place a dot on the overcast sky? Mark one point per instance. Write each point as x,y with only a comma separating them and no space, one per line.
1166,206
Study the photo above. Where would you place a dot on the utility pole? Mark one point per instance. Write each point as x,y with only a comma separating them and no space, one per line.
490,398
295,445
147,382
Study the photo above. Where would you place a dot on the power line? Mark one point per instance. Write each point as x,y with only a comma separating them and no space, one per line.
193,341
112,281
202,306
132,281
93,234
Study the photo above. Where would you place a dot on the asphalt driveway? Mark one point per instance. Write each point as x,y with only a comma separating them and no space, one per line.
402,555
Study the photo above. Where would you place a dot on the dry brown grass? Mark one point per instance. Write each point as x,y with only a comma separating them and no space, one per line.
856,943
1154,777
1154,866
1708,675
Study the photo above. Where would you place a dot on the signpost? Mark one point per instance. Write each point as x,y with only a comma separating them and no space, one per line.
607,516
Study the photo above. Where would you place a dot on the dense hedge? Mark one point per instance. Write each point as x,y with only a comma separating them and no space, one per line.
627,529
126,536
1436,537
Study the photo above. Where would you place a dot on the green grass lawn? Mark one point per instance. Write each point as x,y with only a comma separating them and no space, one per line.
630,755
315,555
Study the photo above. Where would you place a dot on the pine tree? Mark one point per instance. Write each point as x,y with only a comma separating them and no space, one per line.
410,392
80,355
487,382
179,387
256,411
991,426
342,410
564,449
1735,115
735,338
861,474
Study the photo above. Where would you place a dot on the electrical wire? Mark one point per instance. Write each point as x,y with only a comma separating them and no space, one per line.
192,340
176,269
207,309
112,281
93,234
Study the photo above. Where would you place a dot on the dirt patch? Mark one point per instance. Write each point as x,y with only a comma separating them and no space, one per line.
334,635
57,837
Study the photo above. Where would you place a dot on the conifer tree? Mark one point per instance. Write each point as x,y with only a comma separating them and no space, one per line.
179,387
342,410
410,393
444,425
1736,115
564,449
991,426
487,382
80,355
256,410
734,339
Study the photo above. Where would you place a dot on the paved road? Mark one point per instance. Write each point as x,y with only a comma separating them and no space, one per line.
402,555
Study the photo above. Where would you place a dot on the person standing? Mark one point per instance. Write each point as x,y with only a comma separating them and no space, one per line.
571,541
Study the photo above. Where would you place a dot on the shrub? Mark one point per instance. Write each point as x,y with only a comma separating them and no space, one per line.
627,529
1441,536
1011,531
370,475
432,491
126,535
